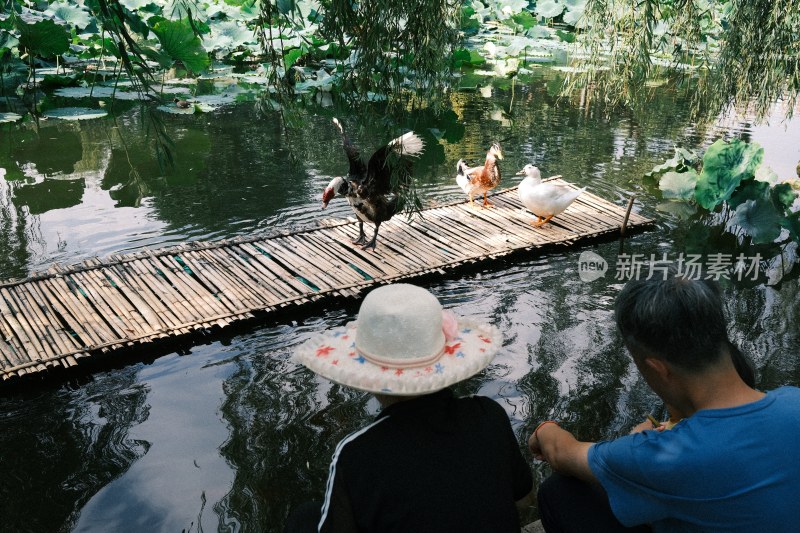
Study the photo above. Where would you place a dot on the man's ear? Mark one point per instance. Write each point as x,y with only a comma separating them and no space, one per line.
659,366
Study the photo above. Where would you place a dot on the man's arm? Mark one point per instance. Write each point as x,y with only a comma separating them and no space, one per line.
563,451
337,513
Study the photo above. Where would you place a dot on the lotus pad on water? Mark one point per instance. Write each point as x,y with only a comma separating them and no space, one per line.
75,113
9,117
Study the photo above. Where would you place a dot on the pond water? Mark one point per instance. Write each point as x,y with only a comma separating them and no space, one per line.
227,435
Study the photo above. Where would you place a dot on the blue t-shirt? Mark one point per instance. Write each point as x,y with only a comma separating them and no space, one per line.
734,469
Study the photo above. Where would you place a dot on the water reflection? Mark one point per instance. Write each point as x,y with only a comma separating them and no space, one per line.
59,447
232,434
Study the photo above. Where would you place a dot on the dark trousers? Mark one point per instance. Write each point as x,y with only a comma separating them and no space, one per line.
568,505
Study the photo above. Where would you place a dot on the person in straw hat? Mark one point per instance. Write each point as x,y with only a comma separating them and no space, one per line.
429,461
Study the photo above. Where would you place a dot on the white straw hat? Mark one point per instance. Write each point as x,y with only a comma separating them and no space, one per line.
402,344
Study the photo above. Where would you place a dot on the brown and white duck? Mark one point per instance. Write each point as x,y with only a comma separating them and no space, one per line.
477,180
377,190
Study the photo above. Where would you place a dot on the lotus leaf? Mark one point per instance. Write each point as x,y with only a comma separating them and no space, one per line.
783,195
135,4
44,38
181,44
75,113
574,17
749,190
524,19
725,165
683,158
549,8
766,174
71,14
97,92
759,219
7,40
228,34
9,117
678,185
682,210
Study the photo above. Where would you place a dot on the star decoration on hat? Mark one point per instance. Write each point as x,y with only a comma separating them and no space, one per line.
323,351
450,350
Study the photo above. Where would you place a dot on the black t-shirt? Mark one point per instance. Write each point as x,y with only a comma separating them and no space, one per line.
434,463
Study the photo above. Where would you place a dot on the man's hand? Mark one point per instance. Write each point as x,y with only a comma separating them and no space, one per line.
560,448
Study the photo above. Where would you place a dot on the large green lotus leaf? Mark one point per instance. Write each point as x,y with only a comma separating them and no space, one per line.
71,14
549,8
178,40
759,219
749,190
159,55
783,196
525,19
44,38
678,185
725,165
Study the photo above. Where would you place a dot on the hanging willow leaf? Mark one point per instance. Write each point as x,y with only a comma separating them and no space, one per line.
181,44
759,219
44,38
725,165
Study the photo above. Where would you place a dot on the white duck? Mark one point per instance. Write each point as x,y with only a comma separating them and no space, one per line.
545,200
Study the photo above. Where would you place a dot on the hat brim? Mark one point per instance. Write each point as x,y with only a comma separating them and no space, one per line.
333,355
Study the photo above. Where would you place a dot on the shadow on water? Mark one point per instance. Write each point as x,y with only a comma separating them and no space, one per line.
230,434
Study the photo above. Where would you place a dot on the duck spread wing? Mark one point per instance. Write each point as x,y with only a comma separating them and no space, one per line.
389,168
357,167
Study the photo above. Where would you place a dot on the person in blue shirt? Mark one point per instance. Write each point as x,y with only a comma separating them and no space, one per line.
730,464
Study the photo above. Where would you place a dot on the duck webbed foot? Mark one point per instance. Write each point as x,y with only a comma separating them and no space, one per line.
362,237
372,243
486,202
541,221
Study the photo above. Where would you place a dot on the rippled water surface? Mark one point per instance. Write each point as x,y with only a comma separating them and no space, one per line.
229,434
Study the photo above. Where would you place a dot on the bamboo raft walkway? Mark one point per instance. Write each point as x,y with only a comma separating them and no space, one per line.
60,317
